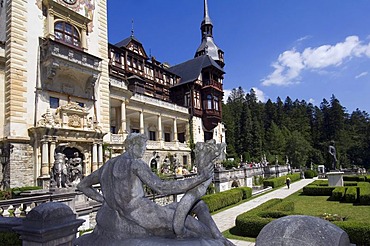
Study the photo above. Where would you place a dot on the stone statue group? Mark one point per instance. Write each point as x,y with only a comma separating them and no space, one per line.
66,172
127,217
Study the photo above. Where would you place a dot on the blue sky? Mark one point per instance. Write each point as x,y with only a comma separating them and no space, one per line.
307,50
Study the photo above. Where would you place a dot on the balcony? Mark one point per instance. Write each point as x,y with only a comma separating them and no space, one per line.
159,103
212,83
60,62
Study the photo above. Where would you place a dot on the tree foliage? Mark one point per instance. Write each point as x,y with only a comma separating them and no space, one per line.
296,130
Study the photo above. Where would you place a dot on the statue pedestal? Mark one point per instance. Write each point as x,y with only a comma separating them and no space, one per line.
93,240
335,178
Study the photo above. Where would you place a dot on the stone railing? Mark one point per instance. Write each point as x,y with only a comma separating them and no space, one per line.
117,83
20,207
116,138
153,144
160,103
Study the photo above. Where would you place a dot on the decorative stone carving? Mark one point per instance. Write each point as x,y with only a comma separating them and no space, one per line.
74,121
127,217
48,120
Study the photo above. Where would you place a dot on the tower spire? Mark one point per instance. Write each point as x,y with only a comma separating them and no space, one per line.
208,46
132,28
206,19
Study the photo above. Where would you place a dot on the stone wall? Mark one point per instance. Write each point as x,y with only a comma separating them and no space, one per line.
21,168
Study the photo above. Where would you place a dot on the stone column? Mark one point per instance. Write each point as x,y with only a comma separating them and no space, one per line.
83,38
95,157
175,129
51,154
51,24
45,158
123,119
100,155
159,127
141,122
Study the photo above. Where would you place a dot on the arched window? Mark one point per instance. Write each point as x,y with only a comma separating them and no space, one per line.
67,33
209,101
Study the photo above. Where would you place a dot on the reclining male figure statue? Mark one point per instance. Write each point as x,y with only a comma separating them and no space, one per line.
127,214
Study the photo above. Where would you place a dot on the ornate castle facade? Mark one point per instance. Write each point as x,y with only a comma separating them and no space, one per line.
65,89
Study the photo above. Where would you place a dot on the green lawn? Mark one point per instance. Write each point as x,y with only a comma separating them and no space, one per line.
318,205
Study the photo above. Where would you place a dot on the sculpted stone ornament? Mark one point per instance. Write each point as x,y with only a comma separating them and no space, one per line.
127,217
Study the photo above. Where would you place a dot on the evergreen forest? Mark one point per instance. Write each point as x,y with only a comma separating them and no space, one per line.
297,130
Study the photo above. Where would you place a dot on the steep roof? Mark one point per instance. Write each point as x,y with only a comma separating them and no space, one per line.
190,70
126,41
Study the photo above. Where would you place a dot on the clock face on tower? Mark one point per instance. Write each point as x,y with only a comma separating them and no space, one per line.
70,1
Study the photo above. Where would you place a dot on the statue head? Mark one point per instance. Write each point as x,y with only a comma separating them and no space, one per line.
135,144
210,151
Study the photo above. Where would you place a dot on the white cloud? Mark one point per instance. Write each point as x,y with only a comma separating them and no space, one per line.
226,95
304,38
290,64
361,75
261,96
311,100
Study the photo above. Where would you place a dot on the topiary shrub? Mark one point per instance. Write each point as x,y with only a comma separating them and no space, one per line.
223,199
351,194
247,192
338,194
314,190
309,174
250,226
364,193
280,181
358,232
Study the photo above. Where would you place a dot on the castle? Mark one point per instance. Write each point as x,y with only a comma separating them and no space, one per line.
66,89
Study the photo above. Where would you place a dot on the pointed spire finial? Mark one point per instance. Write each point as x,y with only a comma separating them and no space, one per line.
132,28
205,9
206,19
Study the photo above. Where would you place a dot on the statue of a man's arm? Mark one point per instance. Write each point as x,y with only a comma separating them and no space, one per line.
146,175
86,184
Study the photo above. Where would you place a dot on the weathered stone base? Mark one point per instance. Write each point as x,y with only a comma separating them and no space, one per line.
94,240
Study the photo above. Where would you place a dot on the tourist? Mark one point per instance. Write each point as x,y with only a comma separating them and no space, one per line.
287,182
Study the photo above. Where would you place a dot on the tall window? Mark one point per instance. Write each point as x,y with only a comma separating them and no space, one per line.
167,137
209,101
152,135
216,103
197,99
187,100
67,33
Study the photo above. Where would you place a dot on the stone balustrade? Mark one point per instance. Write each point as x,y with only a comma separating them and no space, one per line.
20,207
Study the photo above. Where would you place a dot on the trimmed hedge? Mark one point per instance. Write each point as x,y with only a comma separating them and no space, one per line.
351,194
309,174
367,178
358,232
356,178
364,193
280,181
314,190
223,199
338,194
350,183
250,224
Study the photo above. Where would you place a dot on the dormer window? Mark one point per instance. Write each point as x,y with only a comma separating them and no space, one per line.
67,33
